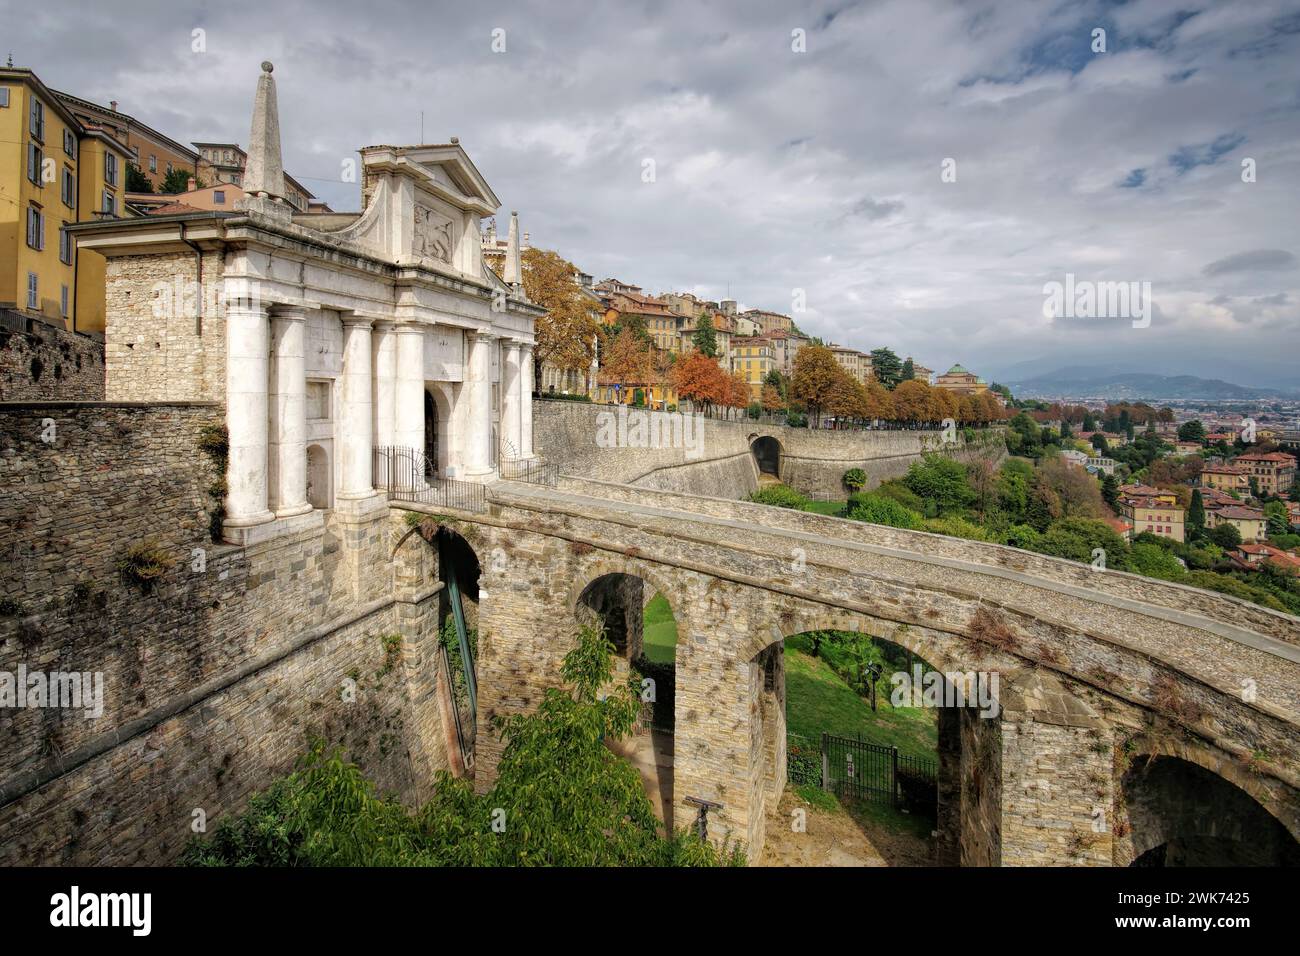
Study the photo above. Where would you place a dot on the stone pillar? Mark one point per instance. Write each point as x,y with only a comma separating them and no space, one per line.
511,404
478,428
356,417
526,402
288,420
248,347
383,343
408,431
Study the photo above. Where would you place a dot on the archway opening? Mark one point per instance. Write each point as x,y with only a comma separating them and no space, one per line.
639,622
318,477
767,456
430,437
867,733
458,570
1181,814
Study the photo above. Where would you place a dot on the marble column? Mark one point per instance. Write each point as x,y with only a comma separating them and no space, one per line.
478,384
526,402
288,419
408,431
510,401
356,416
248,346
383,344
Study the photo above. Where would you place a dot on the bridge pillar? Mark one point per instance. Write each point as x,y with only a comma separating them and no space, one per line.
1057,791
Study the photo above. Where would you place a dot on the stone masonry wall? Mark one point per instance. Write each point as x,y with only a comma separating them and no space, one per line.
159,348
218,676
49,364
718,461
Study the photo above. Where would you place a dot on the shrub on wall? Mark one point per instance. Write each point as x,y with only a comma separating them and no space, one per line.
144,564
855,479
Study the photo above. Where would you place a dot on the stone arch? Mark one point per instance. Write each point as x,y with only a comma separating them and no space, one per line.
1142,829
767,452
615,594
1179,813
439,396
320,491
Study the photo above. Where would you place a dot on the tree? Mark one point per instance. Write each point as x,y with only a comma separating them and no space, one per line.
176,181
770,398
566,334
909,370
912,402
886,367
778,381
940,480
1279,521
1192,431
627,361
568,799
136,180
1226,536
1110,492
815,374
1196,511
880,402
705,338
700,379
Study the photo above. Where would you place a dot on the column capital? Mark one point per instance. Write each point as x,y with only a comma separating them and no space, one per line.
290,311
484,335
359,319
512,345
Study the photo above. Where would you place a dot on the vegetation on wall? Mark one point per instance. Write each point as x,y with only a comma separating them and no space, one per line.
561,798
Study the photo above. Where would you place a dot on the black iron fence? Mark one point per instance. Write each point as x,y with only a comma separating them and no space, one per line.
849,767
407,475
531,471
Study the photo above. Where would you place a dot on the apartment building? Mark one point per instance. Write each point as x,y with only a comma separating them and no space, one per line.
1273,472
153,153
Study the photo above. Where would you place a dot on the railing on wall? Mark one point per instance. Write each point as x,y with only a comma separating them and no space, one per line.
408,475
531,471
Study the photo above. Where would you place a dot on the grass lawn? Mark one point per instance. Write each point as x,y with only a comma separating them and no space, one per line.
659,632
833,508
817,701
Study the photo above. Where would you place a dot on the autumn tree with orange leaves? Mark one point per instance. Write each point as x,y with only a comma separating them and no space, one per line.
566,335
700,379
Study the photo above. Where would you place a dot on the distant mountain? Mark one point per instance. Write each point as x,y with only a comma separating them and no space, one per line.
1092,382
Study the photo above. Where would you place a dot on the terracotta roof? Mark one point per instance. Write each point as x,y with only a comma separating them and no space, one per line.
1277,456
173,209
1241,514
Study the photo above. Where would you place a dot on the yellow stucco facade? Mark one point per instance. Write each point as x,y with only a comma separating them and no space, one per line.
53,172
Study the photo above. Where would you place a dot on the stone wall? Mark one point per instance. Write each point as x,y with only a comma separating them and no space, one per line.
716,459
166,342
49,364
217,677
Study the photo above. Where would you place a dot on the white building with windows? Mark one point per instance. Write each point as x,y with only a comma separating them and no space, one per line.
328,335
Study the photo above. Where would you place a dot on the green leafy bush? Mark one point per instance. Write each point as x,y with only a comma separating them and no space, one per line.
781,496
876,509
855,479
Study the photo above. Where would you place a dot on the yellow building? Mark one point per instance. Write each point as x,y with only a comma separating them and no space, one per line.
54,171
753,360
1249,522
1153,515
154,154
958,379
1226,477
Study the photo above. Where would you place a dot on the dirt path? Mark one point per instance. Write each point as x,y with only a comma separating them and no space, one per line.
834,837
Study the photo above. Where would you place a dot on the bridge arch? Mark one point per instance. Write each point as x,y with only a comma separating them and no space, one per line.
1172,797
615,598
767,452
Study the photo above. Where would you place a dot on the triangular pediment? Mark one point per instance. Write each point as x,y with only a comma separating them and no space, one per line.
443,169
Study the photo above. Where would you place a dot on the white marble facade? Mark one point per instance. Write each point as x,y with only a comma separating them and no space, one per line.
347,332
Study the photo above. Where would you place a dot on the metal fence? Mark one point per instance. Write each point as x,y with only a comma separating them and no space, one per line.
531,471
849,767
407,475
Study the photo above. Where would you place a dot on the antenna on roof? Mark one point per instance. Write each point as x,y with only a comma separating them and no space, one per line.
11,58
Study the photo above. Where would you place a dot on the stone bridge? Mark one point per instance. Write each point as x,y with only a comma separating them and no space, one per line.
1135,715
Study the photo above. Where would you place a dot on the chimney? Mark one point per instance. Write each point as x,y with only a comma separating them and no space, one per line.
112,105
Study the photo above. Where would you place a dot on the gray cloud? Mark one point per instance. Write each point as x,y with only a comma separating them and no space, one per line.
1253,261
758,148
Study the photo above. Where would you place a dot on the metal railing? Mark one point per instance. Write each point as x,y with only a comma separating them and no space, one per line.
531,471
407,475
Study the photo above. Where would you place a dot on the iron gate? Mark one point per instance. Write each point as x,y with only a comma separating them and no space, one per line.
854,768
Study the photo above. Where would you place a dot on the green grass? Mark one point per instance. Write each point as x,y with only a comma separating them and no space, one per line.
833,508
659,631
818,701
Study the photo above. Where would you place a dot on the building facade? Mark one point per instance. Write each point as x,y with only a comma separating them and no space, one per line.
385,332
963,382
58,172
1272,472
153,153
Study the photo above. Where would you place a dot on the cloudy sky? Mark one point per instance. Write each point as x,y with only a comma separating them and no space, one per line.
778,169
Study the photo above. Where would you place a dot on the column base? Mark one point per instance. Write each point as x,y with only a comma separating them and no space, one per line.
293,511
247,535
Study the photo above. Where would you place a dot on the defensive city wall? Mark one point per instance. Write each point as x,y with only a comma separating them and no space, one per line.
220,664
716,457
